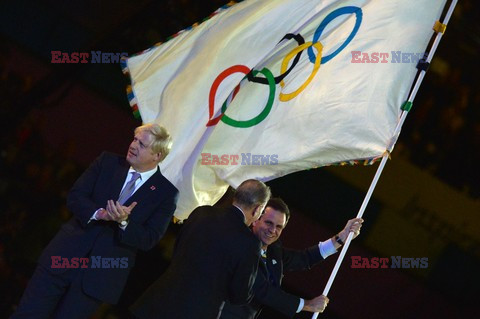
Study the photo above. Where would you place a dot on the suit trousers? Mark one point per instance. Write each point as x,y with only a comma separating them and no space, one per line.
58,296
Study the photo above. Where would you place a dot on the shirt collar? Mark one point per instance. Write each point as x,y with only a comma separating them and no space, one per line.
144,175
244,216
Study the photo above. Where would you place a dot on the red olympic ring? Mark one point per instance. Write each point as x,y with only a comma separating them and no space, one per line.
213,90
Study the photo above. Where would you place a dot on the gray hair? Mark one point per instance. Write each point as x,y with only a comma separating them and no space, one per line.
251,193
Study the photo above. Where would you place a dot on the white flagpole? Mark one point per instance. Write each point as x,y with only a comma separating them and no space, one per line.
402,118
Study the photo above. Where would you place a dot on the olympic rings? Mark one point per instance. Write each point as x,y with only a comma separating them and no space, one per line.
269,78
288,96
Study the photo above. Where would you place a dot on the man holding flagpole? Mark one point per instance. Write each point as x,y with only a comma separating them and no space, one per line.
276,259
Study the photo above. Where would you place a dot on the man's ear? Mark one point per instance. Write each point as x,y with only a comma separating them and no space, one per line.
251,211
257,211
158,156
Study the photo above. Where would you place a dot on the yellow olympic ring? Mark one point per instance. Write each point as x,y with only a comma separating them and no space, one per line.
284,97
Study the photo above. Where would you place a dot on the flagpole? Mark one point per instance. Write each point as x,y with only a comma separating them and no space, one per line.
350,235
385,156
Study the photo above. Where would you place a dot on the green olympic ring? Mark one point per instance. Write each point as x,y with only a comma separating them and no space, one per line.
260,117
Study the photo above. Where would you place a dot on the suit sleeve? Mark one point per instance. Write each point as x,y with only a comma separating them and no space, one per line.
146,235
240,290
294,260
79,199
274,297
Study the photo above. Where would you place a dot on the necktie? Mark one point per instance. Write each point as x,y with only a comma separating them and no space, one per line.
269,273
128,189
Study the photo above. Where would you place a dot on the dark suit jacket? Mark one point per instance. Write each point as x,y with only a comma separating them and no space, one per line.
215,259
103,180
267,288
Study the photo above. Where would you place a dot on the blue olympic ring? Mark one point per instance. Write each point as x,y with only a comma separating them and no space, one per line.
326,21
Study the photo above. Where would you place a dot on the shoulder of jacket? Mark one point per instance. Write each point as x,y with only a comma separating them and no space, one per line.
166,183
109,156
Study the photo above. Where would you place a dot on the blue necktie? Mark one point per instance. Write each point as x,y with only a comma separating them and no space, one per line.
128,189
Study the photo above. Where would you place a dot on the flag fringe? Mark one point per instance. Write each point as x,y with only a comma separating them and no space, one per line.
364,161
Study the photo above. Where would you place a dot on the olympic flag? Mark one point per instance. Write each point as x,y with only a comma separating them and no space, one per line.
266,88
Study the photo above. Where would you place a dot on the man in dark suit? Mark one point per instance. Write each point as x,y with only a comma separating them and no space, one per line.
276,260
215,259
89,259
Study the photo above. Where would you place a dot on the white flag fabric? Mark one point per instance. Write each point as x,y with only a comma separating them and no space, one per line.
266,88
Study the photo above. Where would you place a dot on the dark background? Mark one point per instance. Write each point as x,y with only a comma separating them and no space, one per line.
56,118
